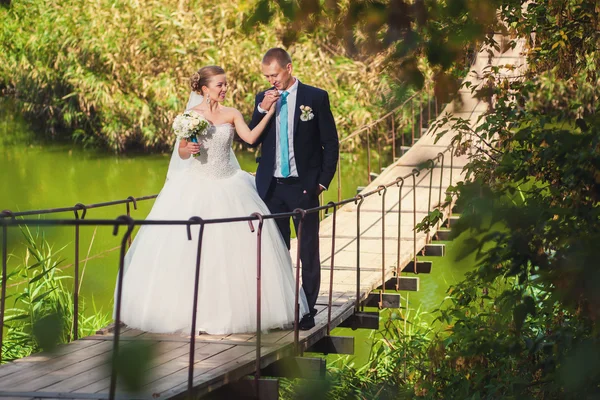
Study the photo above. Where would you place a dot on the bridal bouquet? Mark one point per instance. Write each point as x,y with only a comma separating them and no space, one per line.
189,125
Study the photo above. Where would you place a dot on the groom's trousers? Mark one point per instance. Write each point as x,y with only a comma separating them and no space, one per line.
285,195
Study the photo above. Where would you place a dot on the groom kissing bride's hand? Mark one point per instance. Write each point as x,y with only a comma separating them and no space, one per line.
299,153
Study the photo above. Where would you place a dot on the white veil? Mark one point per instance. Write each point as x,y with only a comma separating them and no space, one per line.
177,164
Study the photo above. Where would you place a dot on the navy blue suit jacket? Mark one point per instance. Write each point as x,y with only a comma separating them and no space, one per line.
316,145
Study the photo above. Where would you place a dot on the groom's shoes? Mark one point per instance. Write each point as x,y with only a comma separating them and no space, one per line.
307,322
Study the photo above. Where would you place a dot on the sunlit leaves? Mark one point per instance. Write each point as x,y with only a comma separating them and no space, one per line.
115,75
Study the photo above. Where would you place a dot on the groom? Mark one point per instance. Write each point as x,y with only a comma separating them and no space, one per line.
299,156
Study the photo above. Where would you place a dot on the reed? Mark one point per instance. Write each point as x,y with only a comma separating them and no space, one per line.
114,74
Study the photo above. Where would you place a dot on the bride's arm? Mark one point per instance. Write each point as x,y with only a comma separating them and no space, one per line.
248,135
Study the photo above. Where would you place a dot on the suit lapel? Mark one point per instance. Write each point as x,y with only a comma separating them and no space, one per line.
300,96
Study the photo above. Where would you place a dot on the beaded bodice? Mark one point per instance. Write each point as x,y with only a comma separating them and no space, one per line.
216,160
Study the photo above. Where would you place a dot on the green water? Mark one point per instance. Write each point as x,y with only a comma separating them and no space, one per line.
36,174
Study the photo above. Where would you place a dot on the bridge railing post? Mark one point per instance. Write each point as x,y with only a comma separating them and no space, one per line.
393,118
421,116
339,176
431,162
360,198
428,89
400,183
412,111
441,155
75,333
258,297
130,199
332,204
415,173
123,219
297,349
369,155
381,188
193,330
452,153
5,213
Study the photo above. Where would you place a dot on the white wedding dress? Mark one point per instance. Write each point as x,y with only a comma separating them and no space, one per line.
158,283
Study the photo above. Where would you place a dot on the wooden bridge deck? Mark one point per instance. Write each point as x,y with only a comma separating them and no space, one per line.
80,370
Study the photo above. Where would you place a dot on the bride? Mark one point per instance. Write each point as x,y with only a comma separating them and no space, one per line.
160,266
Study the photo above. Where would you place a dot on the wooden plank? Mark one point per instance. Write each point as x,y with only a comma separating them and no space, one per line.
35,380
111,328
23,395
382,300
33,371
362,320
275,336
102,373
423,267
406,283
230,371
179,339
268,389
297,367
152,373
44,357
443,234
333,345
452,220
435,249
175,373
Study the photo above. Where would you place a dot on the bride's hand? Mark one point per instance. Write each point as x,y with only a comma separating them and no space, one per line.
194,148
189,148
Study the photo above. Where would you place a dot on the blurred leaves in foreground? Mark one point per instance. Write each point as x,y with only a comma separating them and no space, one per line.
524,323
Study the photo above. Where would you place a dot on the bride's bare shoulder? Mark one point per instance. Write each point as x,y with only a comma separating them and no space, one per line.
231,112
198,110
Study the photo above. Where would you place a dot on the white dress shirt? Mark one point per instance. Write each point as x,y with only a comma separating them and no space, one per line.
291,104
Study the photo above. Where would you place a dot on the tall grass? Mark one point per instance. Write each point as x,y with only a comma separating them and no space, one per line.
115,73
40,314
399,351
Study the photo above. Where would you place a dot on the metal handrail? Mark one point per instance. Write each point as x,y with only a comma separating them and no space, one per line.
367,128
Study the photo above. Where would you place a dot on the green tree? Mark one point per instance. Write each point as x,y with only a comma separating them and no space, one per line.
524,323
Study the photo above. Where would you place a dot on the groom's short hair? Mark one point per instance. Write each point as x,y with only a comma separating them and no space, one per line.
277,54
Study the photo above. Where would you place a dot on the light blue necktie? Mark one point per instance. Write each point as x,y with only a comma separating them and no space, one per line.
284,146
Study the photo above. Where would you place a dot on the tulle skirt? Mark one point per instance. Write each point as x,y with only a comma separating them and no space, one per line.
158,282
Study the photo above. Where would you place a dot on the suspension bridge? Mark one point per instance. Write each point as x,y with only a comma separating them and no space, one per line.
368,242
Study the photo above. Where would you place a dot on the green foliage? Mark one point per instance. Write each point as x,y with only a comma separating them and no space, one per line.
41,314
116,73
444,33
524,323
526,318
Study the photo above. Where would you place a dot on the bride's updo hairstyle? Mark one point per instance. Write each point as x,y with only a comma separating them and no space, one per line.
203,76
